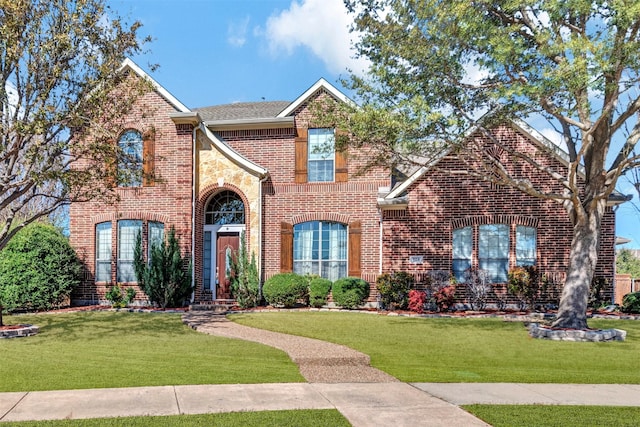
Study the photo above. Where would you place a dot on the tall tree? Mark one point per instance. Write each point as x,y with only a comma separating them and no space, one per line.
436,66
60,74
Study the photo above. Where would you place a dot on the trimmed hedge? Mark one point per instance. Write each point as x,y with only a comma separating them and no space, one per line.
319,291
285,289
631,303
38,269
350,292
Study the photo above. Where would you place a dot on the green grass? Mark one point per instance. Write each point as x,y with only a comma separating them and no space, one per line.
464,350
555,416
298,418
115,349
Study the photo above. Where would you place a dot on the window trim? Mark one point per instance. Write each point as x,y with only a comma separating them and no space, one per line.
317,138
107,228
131,165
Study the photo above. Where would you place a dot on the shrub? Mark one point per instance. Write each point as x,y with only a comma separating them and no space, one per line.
442,288
417,300
38,269
319,289
477,283
245,283
631,303
350,292
166,279
119,299
445,298
285,289
525,284
597,298
394,289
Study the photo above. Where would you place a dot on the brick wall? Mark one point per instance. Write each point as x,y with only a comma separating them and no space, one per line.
167,201
445,198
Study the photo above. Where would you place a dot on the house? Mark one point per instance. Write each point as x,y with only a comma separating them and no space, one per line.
256,169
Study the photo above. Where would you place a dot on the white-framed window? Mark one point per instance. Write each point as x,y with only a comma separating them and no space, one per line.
128,229
493,251
155,236
130,163
321,155
320,248
462,251
103,252
526,243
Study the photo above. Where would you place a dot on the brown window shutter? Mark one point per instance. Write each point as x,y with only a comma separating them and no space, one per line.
148,157
301,155
111,167
355,237
286,247
342,169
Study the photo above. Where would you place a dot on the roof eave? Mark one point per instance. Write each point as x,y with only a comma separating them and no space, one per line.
233,155
259,123
186,118
320,84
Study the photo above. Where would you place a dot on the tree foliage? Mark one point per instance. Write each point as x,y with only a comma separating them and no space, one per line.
166,277
38,269
627,263
60,74
437,66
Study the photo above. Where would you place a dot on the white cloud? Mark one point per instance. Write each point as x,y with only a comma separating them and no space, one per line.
322,26
237,32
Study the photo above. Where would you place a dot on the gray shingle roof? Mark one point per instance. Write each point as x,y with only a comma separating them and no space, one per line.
242,110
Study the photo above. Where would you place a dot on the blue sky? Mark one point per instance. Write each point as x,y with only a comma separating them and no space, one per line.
221,51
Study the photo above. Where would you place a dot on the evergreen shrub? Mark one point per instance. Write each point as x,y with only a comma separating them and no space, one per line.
166,279
631,303
38,269
285,289
394,289
350,292
319,289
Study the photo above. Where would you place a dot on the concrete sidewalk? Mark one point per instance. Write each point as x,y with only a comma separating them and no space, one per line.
363,404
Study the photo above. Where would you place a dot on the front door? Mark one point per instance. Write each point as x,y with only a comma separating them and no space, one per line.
227,245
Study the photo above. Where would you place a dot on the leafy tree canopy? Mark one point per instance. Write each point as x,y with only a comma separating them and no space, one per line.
60,64
437,66
627,263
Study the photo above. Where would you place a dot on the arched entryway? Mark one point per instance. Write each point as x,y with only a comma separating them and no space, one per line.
224,221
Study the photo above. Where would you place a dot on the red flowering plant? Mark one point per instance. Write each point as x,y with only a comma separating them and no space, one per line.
417,300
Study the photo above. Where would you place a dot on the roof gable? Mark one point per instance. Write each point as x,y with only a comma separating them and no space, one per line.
128,64
309,93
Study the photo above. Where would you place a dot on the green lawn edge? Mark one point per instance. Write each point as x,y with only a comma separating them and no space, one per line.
418,349
555,415
287,418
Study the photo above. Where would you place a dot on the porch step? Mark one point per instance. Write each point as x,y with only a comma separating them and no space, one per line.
217,306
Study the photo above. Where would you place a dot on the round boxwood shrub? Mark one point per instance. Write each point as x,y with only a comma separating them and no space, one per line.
38,269
285,289
350,292
319,288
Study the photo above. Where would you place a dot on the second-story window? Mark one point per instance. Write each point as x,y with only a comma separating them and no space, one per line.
321,155
130,163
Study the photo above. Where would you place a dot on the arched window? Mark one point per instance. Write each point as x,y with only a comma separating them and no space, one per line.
224,208
130,162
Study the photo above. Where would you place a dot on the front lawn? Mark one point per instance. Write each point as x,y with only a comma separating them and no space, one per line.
464,350
555,416
115,349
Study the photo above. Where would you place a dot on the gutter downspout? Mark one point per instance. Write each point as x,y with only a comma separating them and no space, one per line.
193,212
380,224
261,232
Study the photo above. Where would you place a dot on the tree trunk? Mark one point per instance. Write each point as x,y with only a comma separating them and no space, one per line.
583,257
